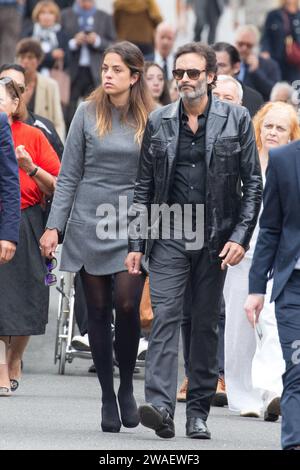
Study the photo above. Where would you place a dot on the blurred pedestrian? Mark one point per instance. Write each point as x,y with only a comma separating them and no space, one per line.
165,36
157,83
10,28
136,21
208,13
91,32
255,71
47,30
229,63
41,95
281,32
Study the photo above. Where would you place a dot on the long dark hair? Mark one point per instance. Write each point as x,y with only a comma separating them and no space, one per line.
140,102
165,96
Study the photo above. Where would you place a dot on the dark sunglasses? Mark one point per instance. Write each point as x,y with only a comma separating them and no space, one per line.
193,74
50,279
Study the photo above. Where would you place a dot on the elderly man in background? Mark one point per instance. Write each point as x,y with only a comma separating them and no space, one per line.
255,71
165,36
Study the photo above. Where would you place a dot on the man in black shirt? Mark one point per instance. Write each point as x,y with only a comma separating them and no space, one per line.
196,153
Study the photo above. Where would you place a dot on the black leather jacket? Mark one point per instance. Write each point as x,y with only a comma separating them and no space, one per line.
233,179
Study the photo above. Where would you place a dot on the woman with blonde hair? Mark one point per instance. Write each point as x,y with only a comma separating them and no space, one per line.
253,359
47,30
99,170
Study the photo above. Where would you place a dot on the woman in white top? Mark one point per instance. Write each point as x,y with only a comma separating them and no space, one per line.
253,359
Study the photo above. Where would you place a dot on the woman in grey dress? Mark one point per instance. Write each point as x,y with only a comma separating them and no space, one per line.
99,166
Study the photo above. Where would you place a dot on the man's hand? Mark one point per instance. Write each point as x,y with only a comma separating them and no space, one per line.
232,253
49,242
7,251
91,38
133,262
253,62
80,38
253,306
58,54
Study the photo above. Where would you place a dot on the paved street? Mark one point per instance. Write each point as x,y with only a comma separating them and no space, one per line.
63,412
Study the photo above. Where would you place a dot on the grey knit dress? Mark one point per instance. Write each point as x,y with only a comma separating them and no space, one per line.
95,171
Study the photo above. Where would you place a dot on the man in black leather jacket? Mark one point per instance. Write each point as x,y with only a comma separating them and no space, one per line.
197,152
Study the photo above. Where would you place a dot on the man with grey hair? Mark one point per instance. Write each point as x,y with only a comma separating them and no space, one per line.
228,89
165,36
284,92
256,72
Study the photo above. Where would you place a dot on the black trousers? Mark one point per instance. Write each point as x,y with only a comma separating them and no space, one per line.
287,310
186,332
171,267
209,14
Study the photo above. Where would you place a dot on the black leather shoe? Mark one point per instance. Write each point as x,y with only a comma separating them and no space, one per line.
196,428
158,419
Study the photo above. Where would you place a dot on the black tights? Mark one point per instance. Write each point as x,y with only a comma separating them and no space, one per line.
127,295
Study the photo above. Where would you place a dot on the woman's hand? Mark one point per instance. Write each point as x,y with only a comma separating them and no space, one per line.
58,54
49,242
7,251
24,159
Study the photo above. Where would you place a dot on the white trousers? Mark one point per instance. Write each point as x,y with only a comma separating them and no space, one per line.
253,367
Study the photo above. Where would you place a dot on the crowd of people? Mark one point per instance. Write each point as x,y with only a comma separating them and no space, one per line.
95,107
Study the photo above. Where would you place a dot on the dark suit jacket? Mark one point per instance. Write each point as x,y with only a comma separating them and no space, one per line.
9,185
264,78
252,100
278,245
103,26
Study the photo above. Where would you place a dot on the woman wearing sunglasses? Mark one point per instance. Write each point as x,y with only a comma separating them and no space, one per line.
24,295
99,166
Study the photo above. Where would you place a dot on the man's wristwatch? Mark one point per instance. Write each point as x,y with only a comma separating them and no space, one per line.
34,171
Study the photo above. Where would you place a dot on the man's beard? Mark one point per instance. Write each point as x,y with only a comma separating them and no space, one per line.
199,91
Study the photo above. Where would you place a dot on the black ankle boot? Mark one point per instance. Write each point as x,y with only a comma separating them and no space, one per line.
110,417
129,411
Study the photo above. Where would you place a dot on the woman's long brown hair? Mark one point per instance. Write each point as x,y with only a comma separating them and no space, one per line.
140,103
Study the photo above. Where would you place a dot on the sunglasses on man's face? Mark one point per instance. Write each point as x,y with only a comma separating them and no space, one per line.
193,74
50,278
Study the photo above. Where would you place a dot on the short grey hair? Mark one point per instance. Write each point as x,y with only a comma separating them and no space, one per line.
229,78
248,28
291,92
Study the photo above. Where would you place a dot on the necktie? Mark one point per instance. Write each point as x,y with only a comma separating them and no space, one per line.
165,69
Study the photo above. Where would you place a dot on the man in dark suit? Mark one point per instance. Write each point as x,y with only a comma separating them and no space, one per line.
256,72
9,193
92,31
229,63
277,254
